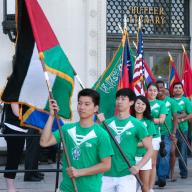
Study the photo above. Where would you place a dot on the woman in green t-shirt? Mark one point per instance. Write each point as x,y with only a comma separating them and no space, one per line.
142,111
158,113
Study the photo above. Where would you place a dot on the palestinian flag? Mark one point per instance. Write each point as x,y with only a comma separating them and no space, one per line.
26,85
55,59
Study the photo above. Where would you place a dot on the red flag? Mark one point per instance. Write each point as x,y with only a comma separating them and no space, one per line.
187,76
173,76
125,76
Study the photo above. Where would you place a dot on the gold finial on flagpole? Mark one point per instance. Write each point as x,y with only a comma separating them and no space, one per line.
119,25
134,44
125,23
140,21
170,55
183,48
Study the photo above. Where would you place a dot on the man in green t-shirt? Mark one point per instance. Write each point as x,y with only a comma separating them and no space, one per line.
128,132
168,132
185,114
88,145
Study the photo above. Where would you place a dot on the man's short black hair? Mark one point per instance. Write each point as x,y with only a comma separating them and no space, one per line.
160,81
177,83
152,84
90,93
126,92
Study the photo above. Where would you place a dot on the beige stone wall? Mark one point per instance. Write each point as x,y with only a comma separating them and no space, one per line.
80,26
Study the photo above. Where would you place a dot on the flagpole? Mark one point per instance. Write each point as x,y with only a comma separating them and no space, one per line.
134,44
41,57
184,139
78,78
170,56
119,25
176,146
184,52
125,23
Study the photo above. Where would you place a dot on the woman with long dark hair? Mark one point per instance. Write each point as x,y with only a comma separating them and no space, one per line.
142,111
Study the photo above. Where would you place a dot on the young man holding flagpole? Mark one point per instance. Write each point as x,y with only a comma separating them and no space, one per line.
88,145
128,132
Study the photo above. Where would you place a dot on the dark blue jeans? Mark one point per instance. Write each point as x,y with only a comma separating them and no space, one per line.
183,149
163,166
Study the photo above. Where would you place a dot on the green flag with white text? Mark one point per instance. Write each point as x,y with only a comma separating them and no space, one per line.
107,84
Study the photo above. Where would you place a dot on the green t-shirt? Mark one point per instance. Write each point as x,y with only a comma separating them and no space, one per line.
172,108
184,106
86,147
128,132
157,108
150,126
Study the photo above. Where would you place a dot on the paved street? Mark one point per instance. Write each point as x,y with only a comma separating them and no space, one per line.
48,184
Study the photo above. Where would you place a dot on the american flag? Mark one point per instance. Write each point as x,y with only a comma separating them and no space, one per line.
138,76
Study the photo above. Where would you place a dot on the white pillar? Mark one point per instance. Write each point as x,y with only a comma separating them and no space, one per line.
6,52
80,26
95,31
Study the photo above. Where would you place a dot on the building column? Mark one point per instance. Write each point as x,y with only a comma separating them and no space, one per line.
95,35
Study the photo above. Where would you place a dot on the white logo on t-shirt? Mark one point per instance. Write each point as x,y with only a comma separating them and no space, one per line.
168,104
155,106
79,139
88,144
181,102
119,130
145,124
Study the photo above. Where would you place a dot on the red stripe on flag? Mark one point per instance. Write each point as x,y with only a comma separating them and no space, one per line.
43,33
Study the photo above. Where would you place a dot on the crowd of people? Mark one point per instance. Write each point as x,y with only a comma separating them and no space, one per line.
148,130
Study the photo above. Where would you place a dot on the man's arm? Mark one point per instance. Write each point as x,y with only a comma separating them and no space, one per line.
159,120
47,139
175,123
148,145
100,118
101,167
184,117
181,115
188,117
15,109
